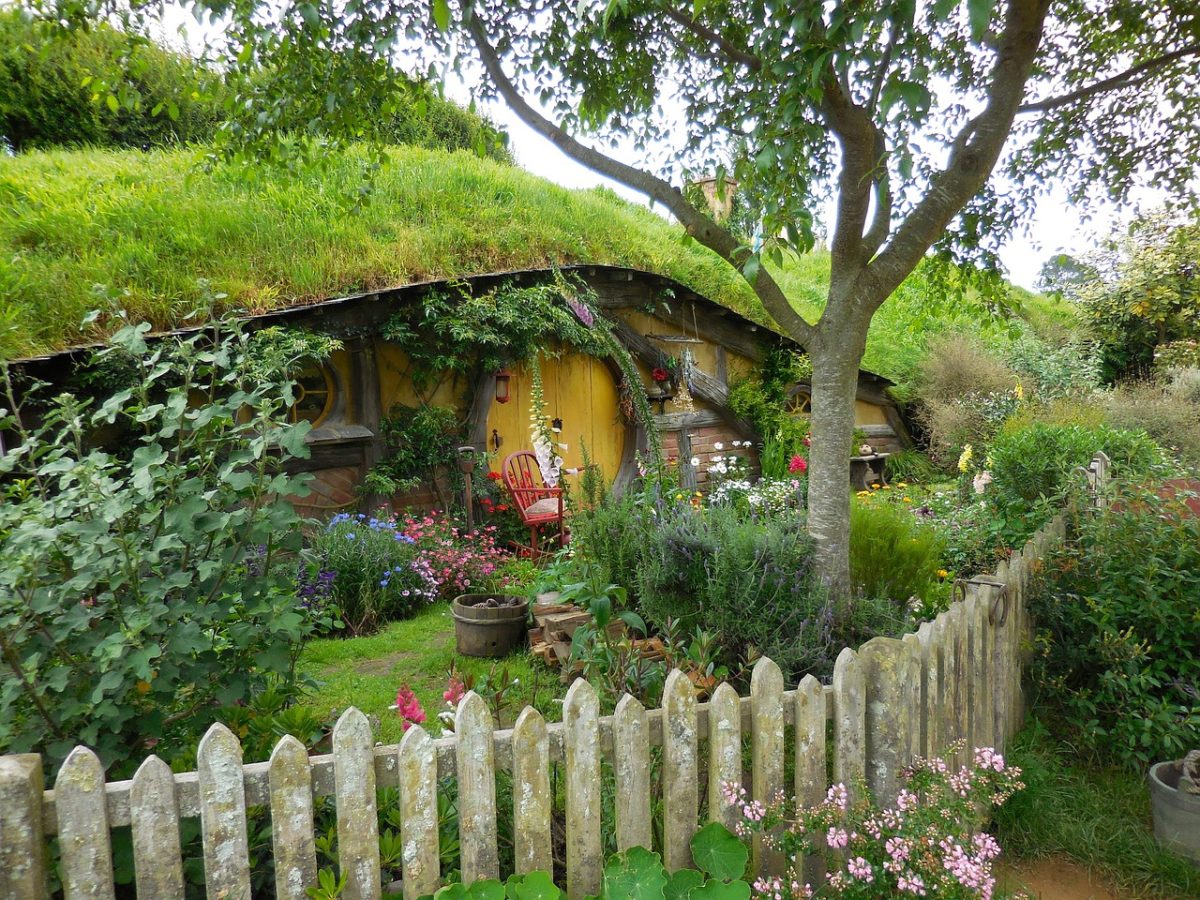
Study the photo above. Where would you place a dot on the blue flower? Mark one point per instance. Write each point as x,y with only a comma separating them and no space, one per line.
351,536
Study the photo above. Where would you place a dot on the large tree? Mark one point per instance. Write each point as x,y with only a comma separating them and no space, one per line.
930,125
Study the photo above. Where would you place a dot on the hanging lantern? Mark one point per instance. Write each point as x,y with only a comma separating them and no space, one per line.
502,378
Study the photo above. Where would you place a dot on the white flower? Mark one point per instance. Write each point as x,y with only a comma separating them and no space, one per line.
982,480
558,462
695,460
718,446
718,459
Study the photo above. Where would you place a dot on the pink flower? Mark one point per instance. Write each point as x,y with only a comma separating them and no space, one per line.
798,464
454,690
408,707
837,838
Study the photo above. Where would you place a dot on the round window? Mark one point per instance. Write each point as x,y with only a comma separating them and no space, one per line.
799,401
314,395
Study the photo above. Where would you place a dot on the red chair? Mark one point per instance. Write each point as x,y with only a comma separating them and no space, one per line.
537,505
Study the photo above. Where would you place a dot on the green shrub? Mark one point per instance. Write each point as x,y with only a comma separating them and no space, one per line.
1050,372
150,580
958,364
892,555
913,466
1033,469
1118,630
50,79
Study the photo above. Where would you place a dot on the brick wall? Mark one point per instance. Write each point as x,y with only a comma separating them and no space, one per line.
701,443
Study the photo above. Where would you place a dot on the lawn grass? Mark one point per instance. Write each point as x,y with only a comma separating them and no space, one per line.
1099,817
367,671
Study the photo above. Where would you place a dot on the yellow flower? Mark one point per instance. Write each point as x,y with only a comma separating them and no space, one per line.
1019,392
942,573
874,487
907,499
964,461
902,484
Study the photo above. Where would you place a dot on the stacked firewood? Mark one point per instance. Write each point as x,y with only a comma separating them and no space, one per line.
554,625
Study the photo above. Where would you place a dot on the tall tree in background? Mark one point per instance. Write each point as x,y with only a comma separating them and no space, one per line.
931,125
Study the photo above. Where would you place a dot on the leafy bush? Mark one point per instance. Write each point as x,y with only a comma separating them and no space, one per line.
419,441
1032,469
50,80
719,856
1051,372
377,573
1117,631
957,365
893,556
148,550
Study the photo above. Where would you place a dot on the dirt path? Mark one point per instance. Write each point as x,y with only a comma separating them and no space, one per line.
1055,878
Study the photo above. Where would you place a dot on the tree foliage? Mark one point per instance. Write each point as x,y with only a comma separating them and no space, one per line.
105,87
1146,293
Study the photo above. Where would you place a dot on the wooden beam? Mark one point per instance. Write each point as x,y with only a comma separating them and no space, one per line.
704,387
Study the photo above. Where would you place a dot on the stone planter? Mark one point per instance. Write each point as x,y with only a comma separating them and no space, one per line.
1176,813
490,625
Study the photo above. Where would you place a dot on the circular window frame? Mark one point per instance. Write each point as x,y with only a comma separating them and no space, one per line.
799,400
330,391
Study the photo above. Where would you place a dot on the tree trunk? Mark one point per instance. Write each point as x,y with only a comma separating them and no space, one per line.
834,385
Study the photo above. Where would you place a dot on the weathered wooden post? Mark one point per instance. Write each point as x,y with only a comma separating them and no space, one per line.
766,713
849,722
22,847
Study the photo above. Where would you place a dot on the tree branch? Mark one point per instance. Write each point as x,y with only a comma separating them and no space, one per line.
1131,77
708,35
698,225
881,222
973,154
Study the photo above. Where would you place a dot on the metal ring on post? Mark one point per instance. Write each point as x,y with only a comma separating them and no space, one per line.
999,599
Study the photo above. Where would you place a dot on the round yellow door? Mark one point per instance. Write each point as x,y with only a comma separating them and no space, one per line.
581,393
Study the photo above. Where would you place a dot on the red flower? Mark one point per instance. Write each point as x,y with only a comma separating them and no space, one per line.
798,464
503,507
494,476
807,441
660,375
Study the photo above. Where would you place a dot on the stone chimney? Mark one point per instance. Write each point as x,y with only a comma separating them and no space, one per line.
720,206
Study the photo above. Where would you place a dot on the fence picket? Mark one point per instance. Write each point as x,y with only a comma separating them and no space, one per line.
357,816
22,845
766,714
631,764
83,827
416,763
531,794
811,776
681,797
475,755
223,815
957,623
581,728
157,852
888,672
849,721
292,838
929,692
724,755
981,640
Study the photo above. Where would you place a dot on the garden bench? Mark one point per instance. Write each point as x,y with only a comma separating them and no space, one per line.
867,470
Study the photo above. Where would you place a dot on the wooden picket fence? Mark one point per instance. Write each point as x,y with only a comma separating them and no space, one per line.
957,679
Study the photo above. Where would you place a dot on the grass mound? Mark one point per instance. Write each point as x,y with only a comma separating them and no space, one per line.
172,243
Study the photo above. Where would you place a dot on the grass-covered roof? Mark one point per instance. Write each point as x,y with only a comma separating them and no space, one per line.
170,242
174,243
